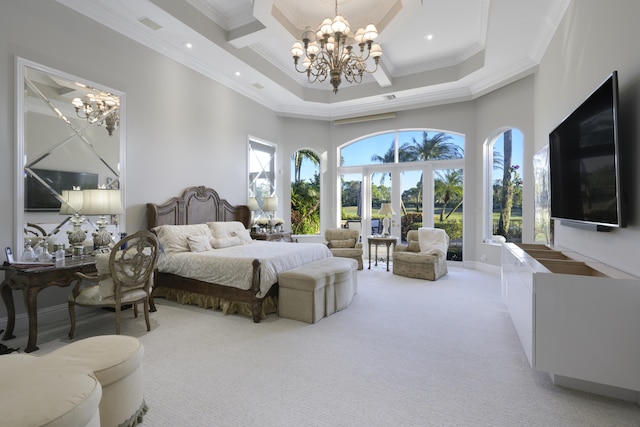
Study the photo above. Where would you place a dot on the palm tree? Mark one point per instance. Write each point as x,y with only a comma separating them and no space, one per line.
448,187
435,148
506,195
299,156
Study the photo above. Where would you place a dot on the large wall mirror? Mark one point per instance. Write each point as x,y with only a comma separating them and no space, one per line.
70,138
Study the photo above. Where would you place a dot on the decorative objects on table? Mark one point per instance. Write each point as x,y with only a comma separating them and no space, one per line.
71,205
386,210
101,202
327,53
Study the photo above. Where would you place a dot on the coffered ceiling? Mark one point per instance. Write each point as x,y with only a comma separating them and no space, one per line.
435,51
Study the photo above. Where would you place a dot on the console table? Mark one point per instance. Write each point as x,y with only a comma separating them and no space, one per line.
276,236
381,240
576,318
31,281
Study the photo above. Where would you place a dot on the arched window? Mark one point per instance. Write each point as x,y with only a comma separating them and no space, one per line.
305,192
419,172
503,166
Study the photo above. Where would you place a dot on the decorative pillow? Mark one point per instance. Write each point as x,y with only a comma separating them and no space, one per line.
102,264
226,242
199,243
222,229
413,246
343,243
173,238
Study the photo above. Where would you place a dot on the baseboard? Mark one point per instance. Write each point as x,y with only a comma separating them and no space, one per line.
481,266
46,316
595,388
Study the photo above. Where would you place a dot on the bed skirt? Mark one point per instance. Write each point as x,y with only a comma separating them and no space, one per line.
269,304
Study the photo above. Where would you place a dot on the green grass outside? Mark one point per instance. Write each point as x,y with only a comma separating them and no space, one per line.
456,216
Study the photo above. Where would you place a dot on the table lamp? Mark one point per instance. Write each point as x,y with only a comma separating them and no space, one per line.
101,202
253,207
271,206
386,210
71,205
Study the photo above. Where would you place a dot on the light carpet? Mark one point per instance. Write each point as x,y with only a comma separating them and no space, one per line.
406,352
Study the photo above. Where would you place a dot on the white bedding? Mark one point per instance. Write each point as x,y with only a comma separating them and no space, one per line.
233,266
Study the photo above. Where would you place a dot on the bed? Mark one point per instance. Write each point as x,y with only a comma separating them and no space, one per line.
241,278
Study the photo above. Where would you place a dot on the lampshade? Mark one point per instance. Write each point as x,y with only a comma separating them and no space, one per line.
72,202
253,204
101,202
270,204
386,209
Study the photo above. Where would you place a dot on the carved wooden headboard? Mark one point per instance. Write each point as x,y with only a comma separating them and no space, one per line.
196,205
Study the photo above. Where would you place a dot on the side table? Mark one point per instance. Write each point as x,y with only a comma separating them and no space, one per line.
380,240
31,281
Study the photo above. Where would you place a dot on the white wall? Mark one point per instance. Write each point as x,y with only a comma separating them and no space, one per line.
594,39
182,128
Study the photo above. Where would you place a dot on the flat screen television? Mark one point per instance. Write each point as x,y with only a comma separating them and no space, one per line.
584,162
38,198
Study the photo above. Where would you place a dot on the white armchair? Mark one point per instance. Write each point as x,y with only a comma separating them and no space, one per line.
344,242
424,256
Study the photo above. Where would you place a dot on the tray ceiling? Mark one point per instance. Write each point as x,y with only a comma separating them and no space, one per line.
476,46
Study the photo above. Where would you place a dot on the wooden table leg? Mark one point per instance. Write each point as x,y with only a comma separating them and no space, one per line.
387,245
31,303
7,297
369,254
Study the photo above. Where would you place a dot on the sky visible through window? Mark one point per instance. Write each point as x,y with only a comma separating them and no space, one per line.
359,152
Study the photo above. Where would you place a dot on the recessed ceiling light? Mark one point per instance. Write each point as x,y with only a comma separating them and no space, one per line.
188,45
428,37
237,73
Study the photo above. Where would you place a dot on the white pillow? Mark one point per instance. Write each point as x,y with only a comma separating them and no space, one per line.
199,243
222,229
173,238
102,264
226,242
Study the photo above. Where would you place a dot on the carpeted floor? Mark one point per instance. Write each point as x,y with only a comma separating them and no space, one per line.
406,352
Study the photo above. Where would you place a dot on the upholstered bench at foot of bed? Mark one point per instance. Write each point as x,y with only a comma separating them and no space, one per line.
318,289
116,362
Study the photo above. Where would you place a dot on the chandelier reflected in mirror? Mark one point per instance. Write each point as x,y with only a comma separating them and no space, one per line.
101,109
329,52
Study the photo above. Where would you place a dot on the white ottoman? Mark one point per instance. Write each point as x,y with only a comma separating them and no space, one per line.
318,289
37,391
116,362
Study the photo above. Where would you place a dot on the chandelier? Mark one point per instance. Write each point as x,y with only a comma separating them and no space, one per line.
101,109
329,52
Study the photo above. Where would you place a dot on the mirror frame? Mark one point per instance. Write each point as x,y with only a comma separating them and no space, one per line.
20,65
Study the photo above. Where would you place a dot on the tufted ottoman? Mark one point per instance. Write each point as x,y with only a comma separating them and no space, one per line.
116,361
318,289
38,391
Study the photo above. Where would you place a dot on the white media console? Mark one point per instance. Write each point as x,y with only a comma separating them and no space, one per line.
577,319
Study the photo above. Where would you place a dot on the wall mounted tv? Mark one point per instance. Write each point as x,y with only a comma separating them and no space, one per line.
38,198
584,163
